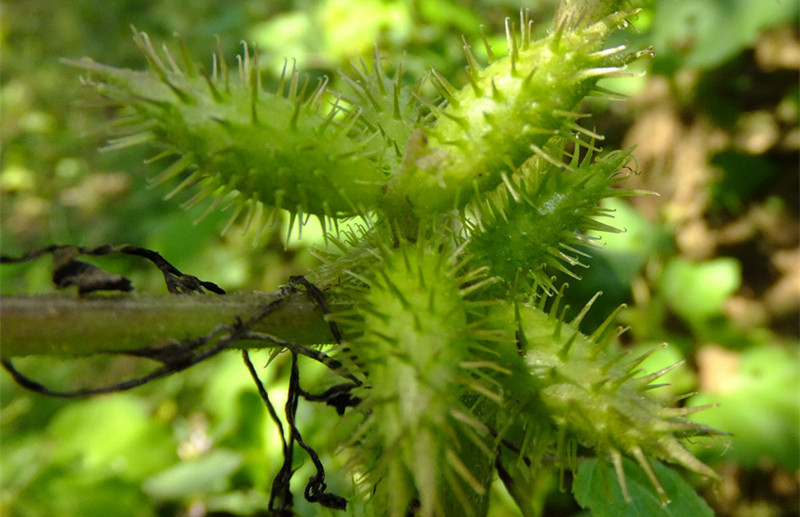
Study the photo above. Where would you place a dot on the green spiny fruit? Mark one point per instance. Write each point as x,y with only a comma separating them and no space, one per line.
231,138
507,113
538,220
385,106
413,339
588,397
442,372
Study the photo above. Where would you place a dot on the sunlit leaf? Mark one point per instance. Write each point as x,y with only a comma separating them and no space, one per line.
697,291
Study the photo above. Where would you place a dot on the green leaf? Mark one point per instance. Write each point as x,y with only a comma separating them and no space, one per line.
705,34
114,435
57,491
758,404
207,474
597,488
697,291
450,13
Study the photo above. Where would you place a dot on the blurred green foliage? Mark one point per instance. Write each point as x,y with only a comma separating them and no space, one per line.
201,443
706,34
760,409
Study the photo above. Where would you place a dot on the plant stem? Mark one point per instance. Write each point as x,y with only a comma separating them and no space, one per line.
66,325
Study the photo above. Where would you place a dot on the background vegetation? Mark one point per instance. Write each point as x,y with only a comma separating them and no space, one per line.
712,266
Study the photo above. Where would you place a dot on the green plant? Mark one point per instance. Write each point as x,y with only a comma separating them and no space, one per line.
455,343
